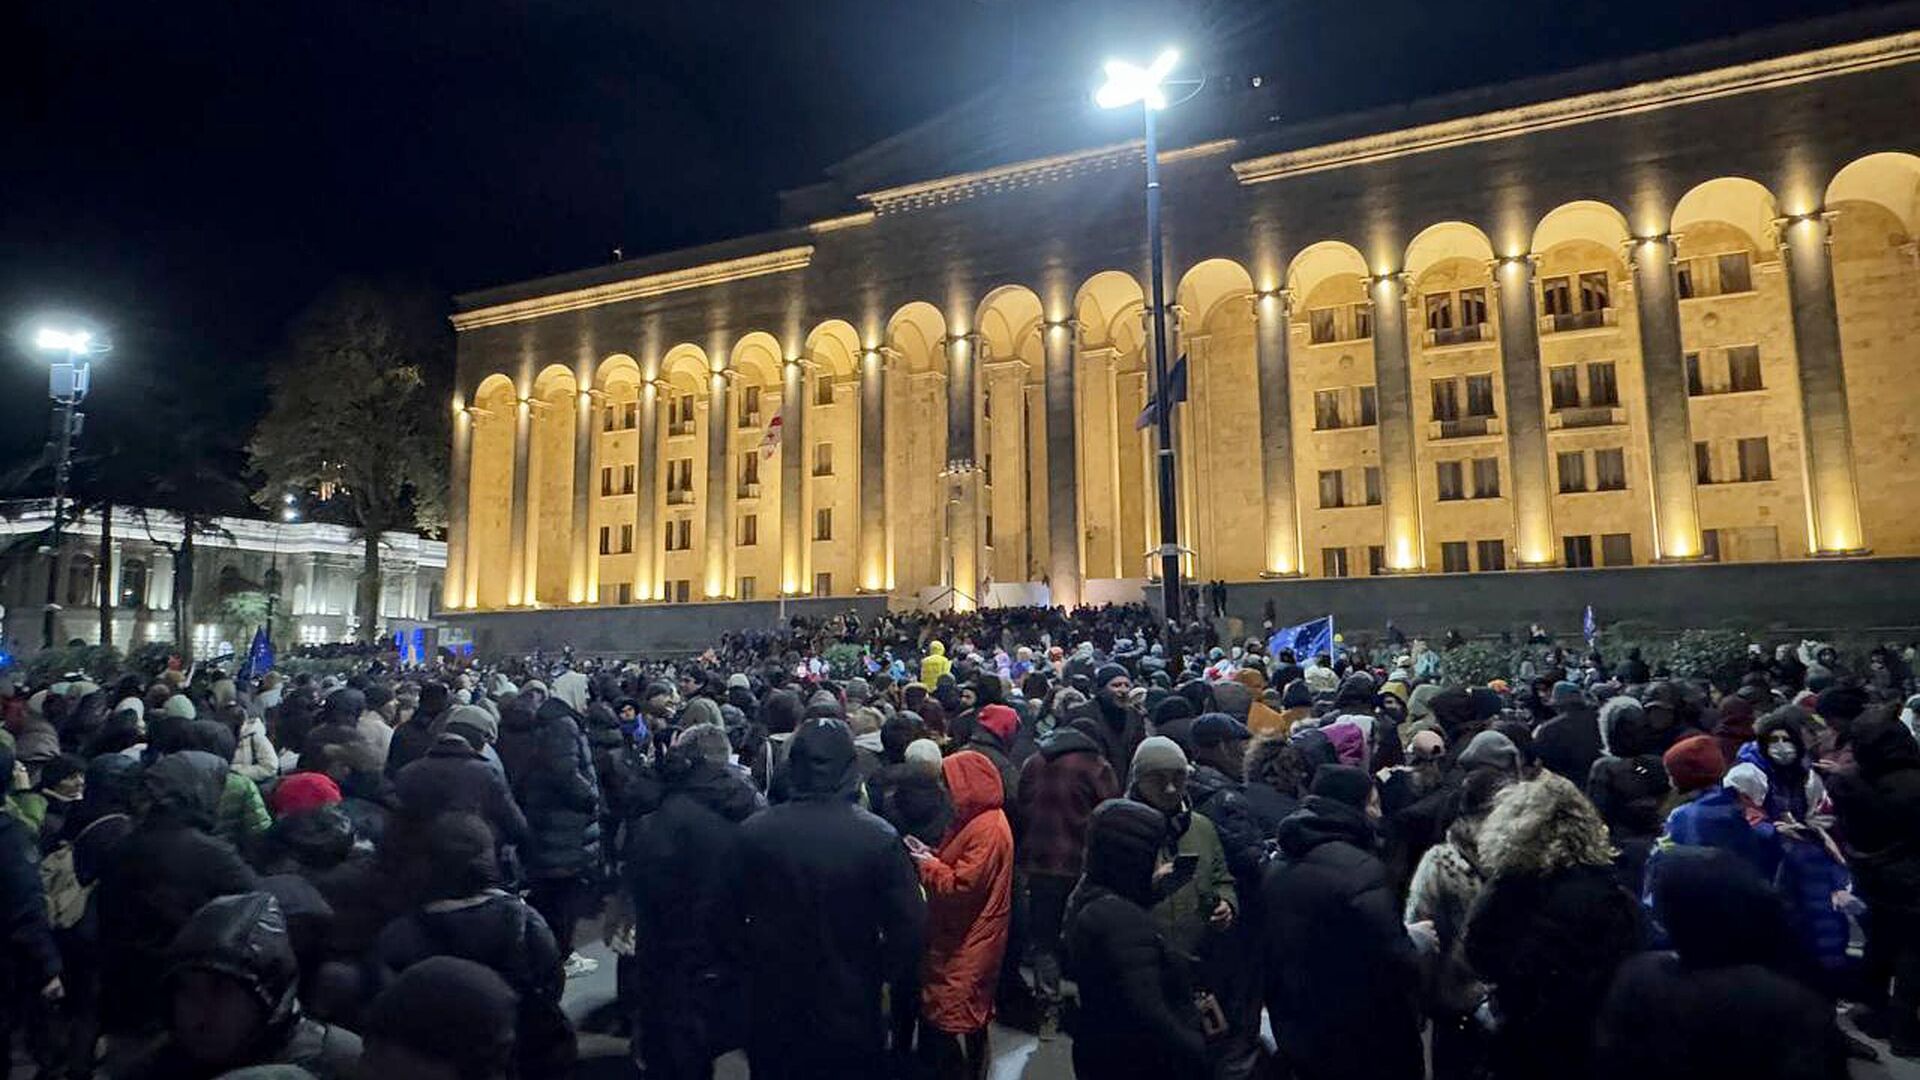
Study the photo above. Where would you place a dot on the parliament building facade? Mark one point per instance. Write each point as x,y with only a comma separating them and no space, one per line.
1663,311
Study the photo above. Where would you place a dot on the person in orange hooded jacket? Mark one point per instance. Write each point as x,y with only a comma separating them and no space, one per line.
969,884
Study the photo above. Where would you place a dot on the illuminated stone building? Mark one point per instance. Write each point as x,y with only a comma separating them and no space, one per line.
1662,311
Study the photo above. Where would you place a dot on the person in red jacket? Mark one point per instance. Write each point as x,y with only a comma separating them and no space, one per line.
969,884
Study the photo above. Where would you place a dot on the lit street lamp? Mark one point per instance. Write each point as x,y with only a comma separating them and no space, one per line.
67,385
289,513
1127,84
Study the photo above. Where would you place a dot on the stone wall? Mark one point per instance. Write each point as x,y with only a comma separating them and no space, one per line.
633,630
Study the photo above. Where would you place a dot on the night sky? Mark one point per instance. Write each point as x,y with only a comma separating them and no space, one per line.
189,175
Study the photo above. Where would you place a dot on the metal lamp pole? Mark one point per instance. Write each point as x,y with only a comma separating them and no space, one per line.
67,385
1163,421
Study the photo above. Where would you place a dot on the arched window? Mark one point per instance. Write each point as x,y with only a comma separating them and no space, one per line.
80,578
133,584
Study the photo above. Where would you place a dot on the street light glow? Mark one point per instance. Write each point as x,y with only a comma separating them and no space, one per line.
1127,83
67,341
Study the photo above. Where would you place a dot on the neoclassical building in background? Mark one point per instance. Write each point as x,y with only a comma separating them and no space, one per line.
1661,311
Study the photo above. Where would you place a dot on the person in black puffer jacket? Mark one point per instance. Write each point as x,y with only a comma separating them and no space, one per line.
1341,973
1628,784
1137,1017
550,769
1878,801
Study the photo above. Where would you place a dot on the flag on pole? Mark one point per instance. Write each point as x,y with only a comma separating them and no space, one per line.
771,440
259,655
1177,382
1589,627
1307,640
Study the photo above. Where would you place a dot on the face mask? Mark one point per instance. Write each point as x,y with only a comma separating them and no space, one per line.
1782,753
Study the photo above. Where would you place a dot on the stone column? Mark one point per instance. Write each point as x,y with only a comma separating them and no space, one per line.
719,483
646,502
1676,516
961,478
455,589
1393,377
873,471
1272,313
1062,341
1806,247
1527,483
793,464
581,552
519,574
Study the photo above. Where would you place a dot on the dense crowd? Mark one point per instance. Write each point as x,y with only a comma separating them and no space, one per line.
1194,857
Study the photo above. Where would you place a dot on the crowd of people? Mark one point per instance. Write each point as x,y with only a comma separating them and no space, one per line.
1196,858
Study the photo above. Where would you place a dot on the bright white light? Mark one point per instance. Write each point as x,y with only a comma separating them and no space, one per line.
287,498
290,514
1127,83
68,341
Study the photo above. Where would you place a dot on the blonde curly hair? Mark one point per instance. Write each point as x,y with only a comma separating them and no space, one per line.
1541,827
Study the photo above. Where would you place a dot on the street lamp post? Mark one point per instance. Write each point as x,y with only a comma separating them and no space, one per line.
289,513
1126,84
67,385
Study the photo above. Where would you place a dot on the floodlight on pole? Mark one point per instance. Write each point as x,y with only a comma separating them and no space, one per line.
1127,82
66,385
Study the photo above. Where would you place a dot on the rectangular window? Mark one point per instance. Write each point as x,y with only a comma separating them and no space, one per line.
749,406
744,588
1683,278
606,480
1755,463
1563,383
680,475
626,539
685,526
623,593
1320,326
1736,272
1449,481
1577,550
749,472
1610,469
682,590
1743,368
629,415
626,479
1446,399
1453,557
1602,386
1556,296
1480,395
1372,477
1332,493
1439,311
1616,549
823,584
1333,562
748,530
606,539
1369,406
1702,463
823,523
680,414
1696,386
1376,560
1710,545
606,419
1491,554
823,459
1573,471
1486,478
1473,307
1594,294
1326,410
1362,322
989,531
822,391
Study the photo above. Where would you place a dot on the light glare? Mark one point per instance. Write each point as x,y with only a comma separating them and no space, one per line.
1127,83
74,341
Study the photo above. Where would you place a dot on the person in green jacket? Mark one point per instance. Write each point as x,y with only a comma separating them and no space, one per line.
1190,907
242,819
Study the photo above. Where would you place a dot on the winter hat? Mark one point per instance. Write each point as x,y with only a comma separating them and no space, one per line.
1694,763
1841,704
474,718
447,1009
859,690
1344,784
1157,753
738,681
1233,698
1123,839
1349,742
1297,695
181,706
303,792
1747,779
1490,748
1106,673
1426,746
924,753
1566,693
1217,727
999,719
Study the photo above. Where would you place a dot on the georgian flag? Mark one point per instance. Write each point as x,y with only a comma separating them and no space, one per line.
771,440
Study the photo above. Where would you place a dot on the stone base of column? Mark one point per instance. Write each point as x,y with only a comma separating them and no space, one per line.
1844,553
1544,564
1401,571
1279,575
1682,560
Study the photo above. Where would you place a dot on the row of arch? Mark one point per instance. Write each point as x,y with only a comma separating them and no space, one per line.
995,354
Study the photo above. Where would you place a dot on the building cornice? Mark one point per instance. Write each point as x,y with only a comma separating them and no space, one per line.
1586,108
1021,174
34,516
670,281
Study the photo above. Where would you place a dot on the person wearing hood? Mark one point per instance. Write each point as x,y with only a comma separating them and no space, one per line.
1341,970
242,819
444,1018
1731,949
550,771
1110,719
413,738
827,910
1058,790
452,777
994,730
1709,815
232,987
1569,743
1628,785
1441,893
678,861
935,664
31,965
1878,803
1137,1016
465,913
1735,726
164,871
253,754
1550,926
969,885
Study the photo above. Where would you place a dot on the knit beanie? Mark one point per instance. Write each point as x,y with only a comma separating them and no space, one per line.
1157,753
474,718
1106,673
1345,784
1694,762
302,792
924,753
999,719
448,1009
180,705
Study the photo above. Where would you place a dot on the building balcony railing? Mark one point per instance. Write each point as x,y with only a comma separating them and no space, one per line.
1460,335
1586,416
750,419
748,491
1467,427
1579,320
680,427
679,498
